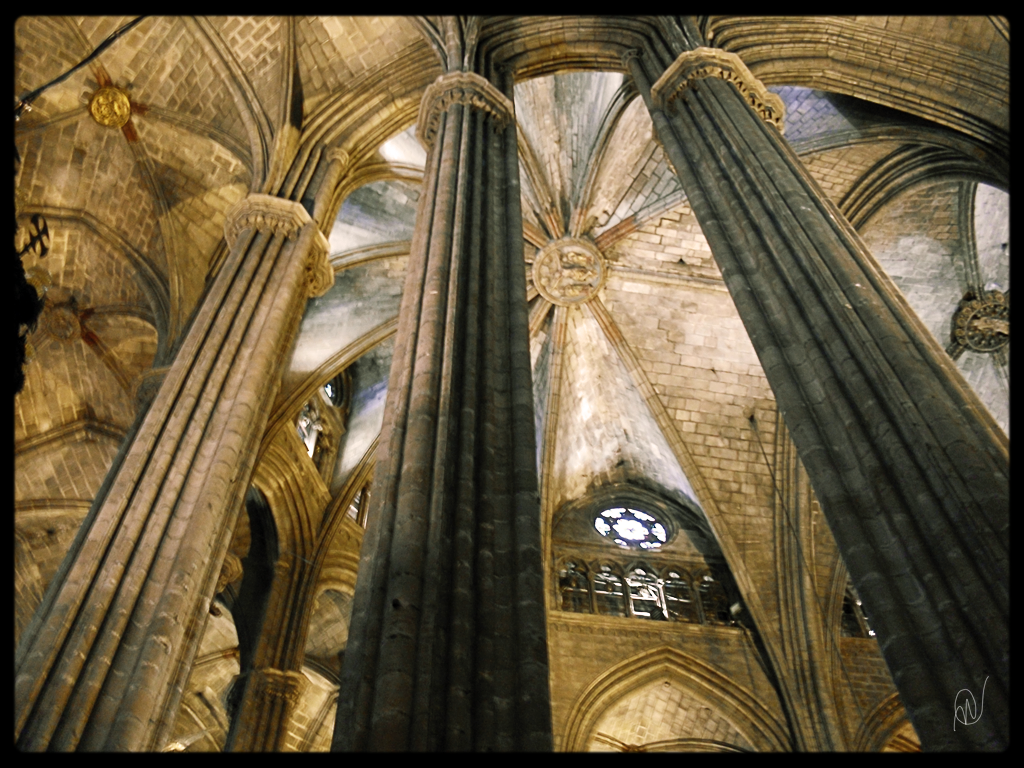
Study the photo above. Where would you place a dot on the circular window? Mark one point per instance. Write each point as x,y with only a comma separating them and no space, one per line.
631,528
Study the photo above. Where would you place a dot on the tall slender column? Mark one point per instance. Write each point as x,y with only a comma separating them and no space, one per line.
911,471
447,647
103,663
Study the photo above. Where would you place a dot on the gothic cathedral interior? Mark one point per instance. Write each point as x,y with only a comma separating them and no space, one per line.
621,384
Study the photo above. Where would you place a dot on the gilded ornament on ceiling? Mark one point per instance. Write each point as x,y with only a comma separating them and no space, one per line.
111,107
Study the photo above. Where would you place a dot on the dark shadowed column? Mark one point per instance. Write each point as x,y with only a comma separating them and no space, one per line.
103,663
447,647
911,471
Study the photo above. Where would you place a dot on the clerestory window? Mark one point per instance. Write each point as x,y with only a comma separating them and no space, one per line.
854,622
643,592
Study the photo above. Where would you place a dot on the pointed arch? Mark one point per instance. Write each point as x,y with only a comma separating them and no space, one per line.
884,722
763,729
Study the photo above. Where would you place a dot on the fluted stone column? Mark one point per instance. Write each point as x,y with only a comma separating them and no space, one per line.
103,663
447,647
911,471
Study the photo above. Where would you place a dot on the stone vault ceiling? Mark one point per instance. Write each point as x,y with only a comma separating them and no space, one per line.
622,366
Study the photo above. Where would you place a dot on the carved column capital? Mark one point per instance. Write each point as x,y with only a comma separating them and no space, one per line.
339,155
280,684
230,572
276,215
632,53
713,62
265,213
466,88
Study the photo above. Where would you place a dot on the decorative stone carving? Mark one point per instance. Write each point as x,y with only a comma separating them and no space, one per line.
319,272
632,53
268,213
230,572
111,107
699,63
265,213
280,684
466,88
339,155
982,324
61,321
569,271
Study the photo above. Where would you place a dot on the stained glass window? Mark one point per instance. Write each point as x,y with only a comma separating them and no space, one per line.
679,598
574,587
714,600
645,594
609,592
309,425
631,528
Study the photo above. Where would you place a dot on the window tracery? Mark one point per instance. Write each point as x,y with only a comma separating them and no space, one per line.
641,591
574,587
360,505
309,426
322,421
646,600
713,600
631,528
609,591
680,602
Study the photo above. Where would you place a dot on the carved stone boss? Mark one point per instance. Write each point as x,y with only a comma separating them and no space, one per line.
700,63
460,88
983,324
275,215
569,271
110,107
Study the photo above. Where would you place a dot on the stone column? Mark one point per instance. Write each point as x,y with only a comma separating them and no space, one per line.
911,471
103,663
447,648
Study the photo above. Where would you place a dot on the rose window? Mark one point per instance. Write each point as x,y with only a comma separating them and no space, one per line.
631,528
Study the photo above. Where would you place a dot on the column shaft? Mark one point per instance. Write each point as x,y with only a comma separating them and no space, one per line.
448,635
104,660
911,471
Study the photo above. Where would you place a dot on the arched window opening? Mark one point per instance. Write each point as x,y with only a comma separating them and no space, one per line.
645,598
309,426
854,621
609,592
672,566
338,392
680,602
574,587
714,600
360,505
321,423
